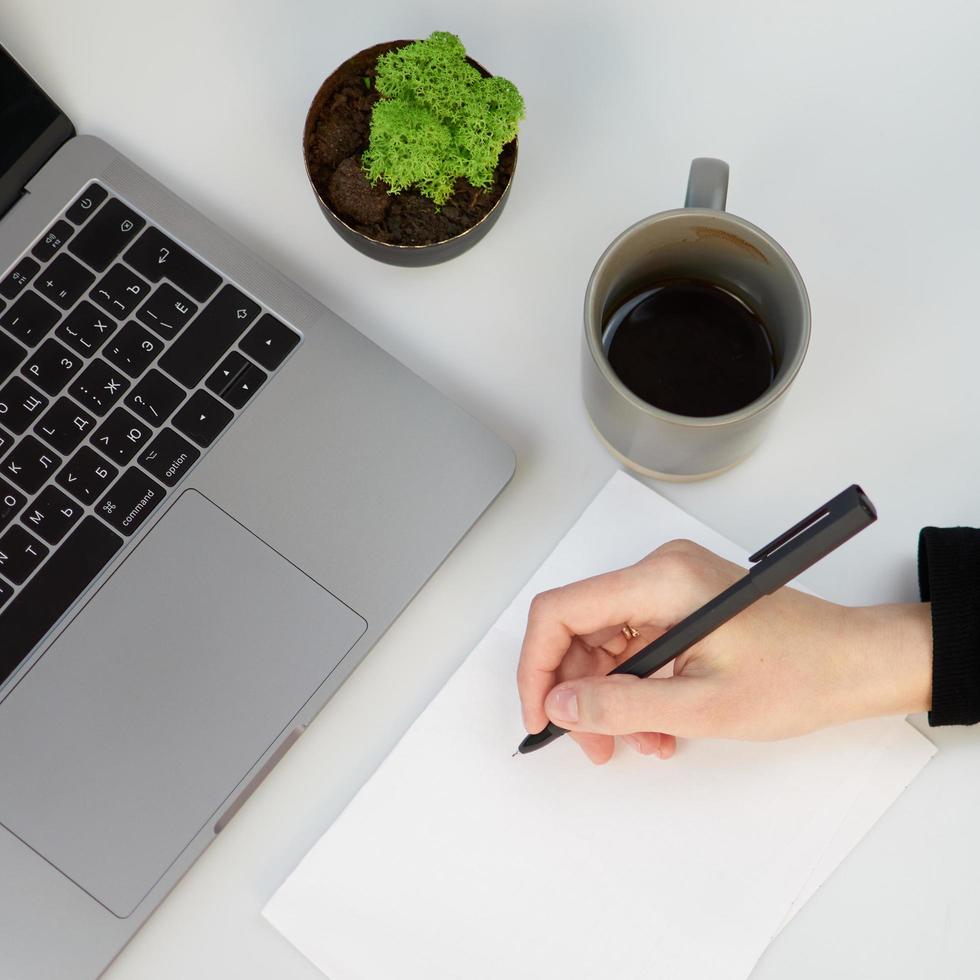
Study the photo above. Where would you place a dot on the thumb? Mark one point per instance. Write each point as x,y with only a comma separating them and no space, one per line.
619,704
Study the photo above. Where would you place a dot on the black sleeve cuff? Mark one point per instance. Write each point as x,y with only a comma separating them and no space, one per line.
949,578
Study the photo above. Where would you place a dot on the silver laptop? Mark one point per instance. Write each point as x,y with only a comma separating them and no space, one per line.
215,495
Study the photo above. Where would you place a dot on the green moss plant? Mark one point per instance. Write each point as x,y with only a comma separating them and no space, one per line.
438,119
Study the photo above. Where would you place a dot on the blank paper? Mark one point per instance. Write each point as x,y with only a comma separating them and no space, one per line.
457,861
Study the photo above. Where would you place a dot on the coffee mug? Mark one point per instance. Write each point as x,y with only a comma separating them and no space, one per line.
704,242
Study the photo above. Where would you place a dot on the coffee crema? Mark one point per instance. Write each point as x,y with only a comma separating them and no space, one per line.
690,347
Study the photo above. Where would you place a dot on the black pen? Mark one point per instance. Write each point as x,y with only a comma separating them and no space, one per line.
774,566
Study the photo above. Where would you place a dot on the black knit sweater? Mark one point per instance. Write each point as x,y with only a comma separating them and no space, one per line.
949,578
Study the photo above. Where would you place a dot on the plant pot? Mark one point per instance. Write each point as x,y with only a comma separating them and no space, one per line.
432,252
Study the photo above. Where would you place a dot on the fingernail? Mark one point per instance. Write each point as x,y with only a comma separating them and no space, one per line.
564,704
633,742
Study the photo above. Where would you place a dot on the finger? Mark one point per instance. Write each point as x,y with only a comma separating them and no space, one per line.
646,743
621,704
580,661
555,617
612,639
658,744
635,645
599,748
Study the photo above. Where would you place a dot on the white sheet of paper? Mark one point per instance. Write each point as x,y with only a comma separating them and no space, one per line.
457,861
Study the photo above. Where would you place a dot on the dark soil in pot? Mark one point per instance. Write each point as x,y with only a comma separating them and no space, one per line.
337,135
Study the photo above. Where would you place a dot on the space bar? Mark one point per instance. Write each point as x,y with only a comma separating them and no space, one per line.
59,582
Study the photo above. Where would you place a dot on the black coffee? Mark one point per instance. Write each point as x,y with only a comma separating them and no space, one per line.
690,347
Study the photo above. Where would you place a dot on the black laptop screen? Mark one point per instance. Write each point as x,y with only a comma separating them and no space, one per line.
32,127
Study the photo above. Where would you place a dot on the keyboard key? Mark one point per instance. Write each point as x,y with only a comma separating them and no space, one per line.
236,379
10,503
196,351
269,341
18,277
6,591
202,418
57,235
224,375
52,515
155,256
30,318
99,387
29,464
167,311
64,281
246,386
169,456
60,581
64,426
20,554
85,205
106,235
132,349
85,329
86,475
20,405
11,354
121,436
131,501
154,398
6,441
52,366
120,291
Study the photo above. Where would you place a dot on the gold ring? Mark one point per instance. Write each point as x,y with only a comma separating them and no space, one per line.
630,633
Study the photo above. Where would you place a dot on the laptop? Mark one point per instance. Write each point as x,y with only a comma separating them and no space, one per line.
215,496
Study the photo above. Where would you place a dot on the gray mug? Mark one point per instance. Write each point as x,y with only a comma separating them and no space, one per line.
700,241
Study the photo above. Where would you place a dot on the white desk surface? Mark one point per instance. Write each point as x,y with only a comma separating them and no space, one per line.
853,133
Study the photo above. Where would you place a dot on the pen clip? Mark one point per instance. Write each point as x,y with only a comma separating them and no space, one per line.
818,515
853,499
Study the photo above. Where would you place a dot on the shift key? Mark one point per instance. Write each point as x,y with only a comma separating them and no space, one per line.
212,332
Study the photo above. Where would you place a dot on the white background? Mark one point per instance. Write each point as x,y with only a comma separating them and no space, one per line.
852,132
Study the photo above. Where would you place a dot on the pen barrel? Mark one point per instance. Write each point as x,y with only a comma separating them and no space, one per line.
692,630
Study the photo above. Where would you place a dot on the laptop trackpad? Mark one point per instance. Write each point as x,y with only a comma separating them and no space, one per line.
139,722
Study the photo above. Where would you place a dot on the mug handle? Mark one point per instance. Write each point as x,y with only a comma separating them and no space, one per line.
707,185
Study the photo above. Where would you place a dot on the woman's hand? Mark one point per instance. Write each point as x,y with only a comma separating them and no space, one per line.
787,665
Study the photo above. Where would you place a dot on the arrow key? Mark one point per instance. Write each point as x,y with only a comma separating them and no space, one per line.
202,418
247,383
226,373
269,341
236,379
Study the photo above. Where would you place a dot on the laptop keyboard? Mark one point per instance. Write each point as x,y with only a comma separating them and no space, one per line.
123,358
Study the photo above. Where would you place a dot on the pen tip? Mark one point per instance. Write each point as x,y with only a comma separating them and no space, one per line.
513,754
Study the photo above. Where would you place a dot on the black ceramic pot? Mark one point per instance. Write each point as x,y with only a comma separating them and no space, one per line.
408,255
